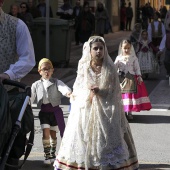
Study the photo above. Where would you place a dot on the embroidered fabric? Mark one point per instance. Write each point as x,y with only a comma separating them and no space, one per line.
147,61
94,134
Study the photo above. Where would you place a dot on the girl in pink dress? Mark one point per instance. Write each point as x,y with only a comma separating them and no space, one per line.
134,98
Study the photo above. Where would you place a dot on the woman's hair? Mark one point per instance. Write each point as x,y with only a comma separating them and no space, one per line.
125,41
100,4
96,40
86,3
13,6
27,7
144,31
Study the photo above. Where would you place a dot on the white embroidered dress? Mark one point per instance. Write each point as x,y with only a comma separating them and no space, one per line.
94,135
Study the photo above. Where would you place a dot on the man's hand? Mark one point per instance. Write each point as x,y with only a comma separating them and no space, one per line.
4,76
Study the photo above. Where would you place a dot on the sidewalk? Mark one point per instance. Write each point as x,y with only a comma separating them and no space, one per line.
68,74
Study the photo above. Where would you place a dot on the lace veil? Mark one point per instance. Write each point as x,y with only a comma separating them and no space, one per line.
105,122
135,34
132,50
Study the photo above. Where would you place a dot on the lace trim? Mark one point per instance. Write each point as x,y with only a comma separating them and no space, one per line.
117,156
141,100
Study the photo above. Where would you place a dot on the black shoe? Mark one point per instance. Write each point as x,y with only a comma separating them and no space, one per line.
129,116
146,76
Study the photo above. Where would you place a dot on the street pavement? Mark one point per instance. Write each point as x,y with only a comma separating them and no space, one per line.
150,129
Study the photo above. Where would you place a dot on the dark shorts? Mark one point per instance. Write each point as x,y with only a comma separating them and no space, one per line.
47,118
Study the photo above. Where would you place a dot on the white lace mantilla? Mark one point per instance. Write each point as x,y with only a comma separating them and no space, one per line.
94,134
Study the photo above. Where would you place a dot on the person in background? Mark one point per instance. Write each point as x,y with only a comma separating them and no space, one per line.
150,12
145,17
14,10
156,31
97,135
147,55
167,21
134,94
163,11
33,9
49,100
129,16
65,11
42,8
76,11
135,35
26,15
86,23
17,60
165,46
123,16
101,17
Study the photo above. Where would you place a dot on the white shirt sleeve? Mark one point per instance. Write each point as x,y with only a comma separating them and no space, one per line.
149,32
70,11
163,30
33,93
25,52
137,67
63,88
162,44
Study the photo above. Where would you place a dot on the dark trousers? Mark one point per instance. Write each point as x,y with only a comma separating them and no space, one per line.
122,25
167,61
128,23
58,115
77,39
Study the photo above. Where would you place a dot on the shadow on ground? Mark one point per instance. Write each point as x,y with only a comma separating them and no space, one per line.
36,165
154,166
150,119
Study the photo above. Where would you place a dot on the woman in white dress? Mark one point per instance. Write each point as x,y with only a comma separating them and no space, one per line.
97,135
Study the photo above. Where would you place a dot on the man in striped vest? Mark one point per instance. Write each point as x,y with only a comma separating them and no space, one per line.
16,47
16,60
156,31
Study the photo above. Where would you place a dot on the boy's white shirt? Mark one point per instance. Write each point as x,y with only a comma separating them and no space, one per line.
156,23
63,88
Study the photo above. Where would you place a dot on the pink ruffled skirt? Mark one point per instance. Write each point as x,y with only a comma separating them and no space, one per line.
136,102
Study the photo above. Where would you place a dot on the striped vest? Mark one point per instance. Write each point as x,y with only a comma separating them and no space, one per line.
158,33
8,53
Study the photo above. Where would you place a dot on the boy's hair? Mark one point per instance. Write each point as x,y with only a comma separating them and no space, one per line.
44,60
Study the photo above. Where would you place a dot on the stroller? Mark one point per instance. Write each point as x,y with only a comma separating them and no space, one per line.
16,121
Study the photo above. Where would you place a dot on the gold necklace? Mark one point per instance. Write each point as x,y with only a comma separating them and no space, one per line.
96,68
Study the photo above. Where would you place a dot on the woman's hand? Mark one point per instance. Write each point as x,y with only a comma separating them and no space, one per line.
91,96
140,80
95,89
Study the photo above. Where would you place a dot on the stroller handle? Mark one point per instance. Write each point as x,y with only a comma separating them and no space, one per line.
19,85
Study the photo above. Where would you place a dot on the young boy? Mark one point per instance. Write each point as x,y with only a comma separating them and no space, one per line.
48,91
